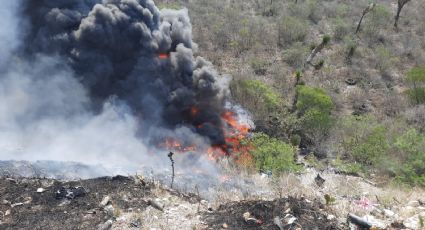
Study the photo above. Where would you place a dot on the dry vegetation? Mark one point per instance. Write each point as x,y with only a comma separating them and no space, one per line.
276,49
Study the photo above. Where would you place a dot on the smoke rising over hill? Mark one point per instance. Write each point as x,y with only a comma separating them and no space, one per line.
103,81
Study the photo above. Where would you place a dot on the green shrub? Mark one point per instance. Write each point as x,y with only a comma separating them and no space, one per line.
313,98
384,59
296,55
272,154
314,106
290,30
368,146
411,146
305,10
257,97
416,79
372,148
259,66
295,140
341,29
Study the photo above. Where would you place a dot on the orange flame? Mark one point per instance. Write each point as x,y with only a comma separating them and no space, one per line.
174,145
163,56
236,145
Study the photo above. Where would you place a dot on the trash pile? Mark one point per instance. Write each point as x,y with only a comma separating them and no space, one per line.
280,214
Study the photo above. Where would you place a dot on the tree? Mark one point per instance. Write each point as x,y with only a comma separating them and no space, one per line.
365,11
400,5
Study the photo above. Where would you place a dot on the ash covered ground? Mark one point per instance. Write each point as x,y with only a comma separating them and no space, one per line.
135,203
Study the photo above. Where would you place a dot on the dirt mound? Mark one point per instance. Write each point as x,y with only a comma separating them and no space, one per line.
293,213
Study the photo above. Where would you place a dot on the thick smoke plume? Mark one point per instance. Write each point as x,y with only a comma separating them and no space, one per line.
101,81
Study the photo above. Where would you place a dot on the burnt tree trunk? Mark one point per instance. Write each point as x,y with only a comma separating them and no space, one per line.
365,11
400,5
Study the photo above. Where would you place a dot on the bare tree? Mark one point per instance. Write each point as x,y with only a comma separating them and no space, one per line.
365,11
400,5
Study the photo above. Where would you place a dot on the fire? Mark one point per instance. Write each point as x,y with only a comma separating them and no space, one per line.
175,145
163,56
194,111
236,144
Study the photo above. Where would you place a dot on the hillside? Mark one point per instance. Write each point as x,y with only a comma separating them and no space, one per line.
212,114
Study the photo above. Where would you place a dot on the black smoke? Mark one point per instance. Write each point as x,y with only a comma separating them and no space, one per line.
112,48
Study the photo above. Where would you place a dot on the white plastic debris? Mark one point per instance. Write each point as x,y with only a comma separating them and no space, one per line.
289,219
40,190
105,201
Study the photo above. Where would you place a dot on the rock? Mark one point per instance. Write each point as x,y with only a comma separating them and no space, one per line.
156,205
330,217
5,202
225,226
109,210
412,222
388,213
105,226
7,212
40,190
413,203
319,180
407,211
105,201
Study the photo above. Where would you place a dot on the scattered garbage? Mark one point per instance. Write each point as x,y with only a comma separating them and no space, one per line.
360,222
40,190
278,222
225,226
289,219
350,81
109,210
250,219
105,201
70,193
16,204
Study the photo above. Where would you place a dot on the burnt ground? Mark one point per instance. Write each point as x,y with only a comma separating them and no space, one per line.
45,211
22,207
308,215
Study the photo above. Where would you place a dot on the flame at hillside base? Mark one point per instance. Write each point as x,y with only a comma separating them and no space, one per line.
236,145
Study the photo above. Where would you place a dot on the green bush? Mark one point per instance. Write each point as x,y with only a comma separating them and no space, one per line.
296,55
416,79
290,30
259,66
314,106
272,154
372,148
313,98
411,145
366,145
384,59
341,29
257,97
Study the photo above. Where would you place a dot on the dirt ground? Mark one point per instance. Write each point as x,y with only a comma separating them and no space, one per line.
129,207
